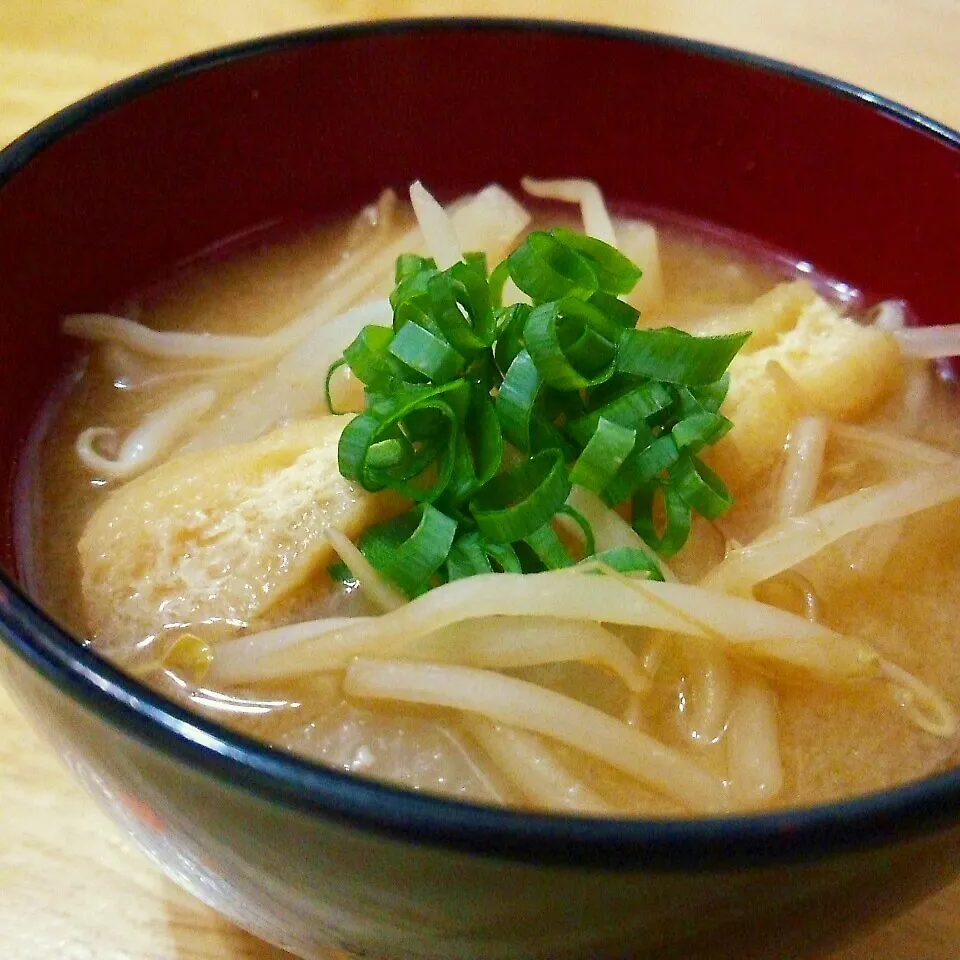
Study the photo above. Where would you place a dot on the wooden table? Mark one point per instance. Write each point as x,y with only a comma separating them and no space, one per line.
70,887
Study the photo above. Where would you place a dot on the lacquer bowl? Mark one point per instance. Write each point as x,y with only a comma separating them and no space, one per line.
115,190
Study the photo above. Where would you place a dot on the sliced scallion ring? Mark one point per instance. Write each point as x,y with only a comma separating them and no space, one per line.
549,548
547,269
603,456
412,548
516,503
678,519
614,272
567,343
628,560
700,487
516,400
674,356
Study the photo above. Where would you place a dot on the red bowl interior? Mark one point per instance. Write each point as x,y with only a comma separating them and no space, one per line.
147,175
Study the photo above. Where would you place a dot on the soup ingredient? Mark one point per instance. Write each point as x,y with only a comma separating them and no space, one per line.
593,208
635,239
534,708
489,220
804,450
781,640
521,637
580,395
531,765
929,342
787,544
510,687
221,535
753,748
767,317
413,751
814,360
150,441
844,366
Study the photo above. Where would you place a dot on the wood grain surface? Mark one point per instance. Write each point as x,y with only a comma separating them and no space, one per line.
71,888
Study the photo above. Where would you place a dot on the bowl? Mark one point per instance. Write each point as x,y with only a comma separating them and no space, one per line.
114,190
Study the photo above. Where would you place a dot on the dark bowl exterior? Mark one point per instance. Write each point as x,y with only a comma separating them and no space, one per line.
324,888
114,191
327,889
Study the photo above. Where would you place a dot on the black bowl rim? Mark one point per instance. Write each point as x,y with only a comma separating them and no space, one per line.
239,762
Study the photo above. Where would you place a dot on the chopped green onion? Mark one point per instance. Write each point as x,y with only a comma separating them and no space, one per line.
678,515
515,402
504,556
477,261
603,456
453,304
369,358
546,269
700,487
614,272
545,435
479,451
631,409
483,428
589,541
334,367
467,557
516,503
559,406
675,356
617,310
585,350
426,353
642,466
382,420
496,283
628,560
711,395
473,298
700,430
410,264
553,335
549,548
412,548
388,453
565,389
510,323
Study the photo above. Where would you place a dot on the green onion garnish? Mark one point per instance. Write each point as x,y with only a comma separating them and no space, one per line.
628,560
677,357
678,518
700,487
603,455
516,399
548,548
410,549
566,340
425,352
485,416
519,501
615,273
547,269
467,557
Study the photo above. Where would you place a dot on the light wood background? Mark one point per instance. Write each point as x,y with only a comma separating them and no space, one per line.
70,887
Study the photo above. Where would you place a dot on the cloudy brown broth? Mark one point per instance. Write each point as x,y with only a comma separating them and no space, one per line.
895,586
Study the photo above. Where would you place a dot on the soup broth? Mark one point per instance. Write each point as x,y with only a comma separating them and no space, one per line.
892,585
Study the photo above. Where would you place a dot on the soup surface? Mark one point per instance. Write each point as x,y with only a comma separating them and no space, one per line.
759,718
